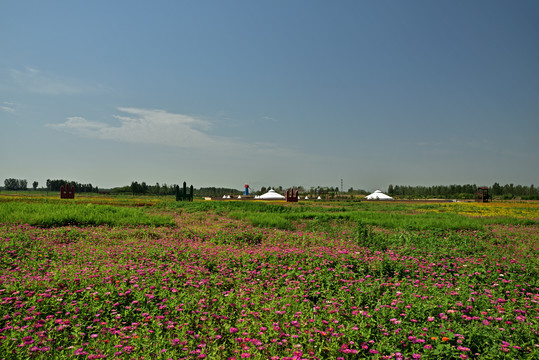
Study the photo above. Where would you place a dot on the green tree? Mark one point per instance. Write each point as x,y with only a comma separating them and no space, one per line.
136,188
15,184
11,184
34,185
496,189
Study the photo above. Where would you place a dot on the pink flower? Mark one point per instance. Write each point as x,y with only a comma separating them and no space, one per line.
233,330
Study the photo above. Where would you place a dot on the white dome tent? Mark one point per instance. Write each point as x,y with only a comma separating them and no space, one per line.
271,195
378,195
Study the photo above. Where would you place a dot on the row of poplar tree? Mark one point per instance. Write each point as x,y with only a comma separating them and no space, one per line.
51,185
463,191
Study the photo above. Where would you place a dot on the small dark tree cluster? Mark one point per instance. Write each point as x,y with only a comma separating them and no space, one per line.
137,188
15,184
509,191
54,185
353,191
142,188
216,191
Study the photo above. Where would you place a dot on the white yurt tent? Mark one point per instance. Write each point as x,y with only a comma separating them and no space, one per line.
271,195
378,195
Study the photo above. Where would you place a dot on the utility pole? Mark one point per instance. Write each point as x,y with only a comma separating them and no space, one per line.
342,188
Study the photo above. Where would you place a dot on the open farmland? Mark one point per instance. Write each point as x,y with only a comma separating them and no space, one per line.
154,279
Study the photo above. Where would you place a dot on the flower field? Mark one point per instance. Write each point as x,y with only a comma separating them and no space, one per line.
267,281
525,210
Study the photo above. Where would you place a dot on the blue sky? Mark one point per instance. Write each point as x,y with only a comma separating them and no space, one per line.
224,93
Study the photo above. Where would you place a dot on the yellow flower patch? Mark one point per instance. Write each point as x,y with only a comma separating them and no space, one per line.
521,210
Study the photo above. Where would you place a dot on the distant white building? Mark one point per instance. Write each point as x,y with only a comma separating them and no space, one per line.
378,195
271,195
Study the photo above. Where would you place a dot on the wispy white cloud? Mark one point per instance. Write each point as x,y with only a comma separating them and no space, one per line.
163,128
33,80
8,107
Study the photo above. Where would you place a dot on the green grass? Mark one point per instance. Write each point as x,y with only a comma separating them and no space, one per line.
319,216
61,214
392,216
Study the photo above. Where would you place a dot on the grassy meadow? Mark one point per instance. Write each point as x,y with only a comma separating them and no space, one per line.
151,278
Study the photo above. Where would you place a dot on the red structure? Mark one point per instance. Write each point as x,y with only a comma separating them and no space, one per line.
292,196
68,192
482,194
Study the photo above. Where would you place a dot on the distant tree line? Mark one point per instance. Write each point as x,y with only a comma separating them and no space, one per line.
265,189
507,191
15,184
52,185
142,188
216,191
55,185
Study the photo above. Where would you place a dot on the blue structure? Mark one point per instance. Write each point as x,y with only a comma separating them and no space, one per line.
246,189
